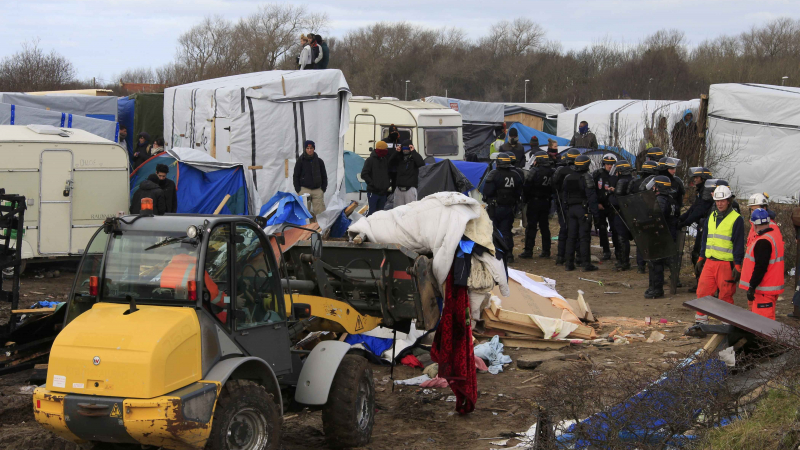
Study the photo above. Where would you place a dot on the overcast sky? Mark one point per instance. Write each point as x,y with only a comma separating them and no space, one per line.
104,37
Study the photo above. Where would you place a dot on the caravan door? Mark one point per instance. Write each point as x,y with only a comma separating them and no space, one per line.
55,202
363,134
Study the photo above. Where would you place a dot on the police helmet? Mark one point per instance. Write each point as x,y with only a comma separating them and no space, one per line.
668,163
760,216
655,153
701,172
541,159
582,163
662,184
623,167
649,167
505,160
609,158
572,154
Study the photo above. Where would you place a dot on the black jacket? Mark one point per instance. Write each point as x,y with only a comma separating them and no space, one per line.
325,56
170,194
586,140
621,189
309,173
407,168
503,186
668,207
537,184
518,150
376,174
602,178
698,212
149,189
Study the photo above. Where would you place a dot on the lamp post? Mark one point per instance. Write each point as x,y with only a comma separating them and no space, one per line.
783,80
648,88
526,90
407,81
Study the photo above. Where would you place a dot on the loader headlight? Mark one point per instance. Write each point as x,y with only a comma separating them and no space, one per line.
192,232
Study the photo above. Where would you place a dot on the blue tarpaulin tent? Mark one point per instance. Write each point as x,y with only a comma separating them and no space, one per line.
289,208
202,182
125,109
352,168
474,171
526,133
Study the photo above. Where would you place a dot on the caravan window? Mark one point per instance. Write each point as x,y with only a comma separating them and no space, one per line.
405,133
441,141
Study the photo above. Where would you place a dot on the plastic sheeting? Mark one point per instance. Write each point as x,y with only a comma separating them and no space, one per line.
442,176
761,125
352,168
527,133
125,111
474,171
23,115
621,123
546,108
266,117
289,208
103,108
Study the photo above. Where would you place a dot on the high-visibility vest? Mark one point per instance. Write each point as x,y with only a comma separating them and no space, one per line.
180,270
719,241
772,283
751,235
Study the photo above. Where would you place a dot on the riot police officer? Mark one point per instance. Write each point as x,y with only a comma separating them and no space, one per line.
603,180
667,167
537,193
623,186
565,167
698,213
648,172
666,201
502,192
580,197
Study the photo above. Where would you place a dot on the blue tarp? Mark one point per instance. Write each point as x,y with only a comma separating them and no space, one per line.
374,345
526,133
199,192
125,109
474,171
352,168
291,209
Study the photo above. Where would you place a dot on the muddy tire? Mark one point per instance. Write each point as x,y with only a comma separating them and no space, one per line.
349,414
246,418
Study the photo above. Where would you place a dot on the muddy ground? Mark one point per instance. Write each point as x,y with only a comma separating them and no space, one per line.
409,418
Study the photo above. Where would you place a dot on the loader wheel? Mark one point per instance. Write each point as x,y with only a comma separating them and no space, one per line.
246,418
349,415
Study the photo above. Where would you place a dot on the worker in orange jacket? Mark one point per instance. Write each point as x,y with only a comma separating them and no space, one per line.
722,251
762,271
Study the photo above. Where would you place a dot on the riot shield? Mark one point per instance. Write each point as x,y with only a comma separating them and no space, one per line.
675,268
647,225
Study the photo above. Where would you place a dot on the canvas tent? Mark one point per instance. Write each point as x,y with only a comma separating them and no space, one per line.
202,182
621,123
480,122
11,114
141,112
262,120
761,125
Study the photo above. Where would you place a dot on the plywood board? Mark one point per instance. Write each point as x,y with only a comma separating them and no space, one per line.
739,317
541,344
524,301
583,331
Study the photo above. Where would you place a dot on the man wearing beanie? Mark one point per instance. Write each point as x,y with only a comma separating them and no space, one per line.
310,178
514,146
376,174
169,188
408,162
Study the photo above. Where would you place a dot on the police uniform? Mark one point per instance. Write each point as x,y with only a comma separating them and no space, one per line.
502,191
622,187
565,167
666,202
580,198
603,180
538,193
648,173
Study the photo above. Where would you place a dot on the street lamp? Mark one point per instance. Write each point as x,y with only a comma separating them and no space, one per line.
648,88
407,81
783,80
526,91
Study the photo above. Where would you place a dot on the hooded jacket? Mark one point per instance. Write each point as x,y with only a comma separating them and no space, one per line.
170,194
407,168
585,140
149,189
141,152
376,174
685,139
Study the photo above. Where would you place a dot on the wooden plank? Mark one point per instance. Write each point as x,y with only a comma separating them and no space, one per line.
33,311
222,204
213,150
714,342
542,344
739,317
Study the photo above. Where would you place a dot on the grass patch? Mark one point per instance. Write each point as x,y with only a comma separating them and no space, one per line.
772,425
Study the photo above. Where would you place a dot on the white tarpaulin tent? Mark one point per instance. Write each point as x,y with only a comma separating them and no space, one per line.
621,123
104,108
551,109
21,115
761,125
262,120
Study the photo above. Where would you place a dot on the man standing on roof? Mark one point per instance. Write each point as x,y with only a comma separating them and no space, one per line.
584,138
311,178
408,162
502,191
304,60
169,188
514,147
537,193
722,251
762,271
603,180
685,139
376,174
324,52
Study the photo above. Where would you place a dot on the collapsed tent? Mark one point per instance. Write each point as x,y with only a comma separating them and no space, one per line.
353,163
760,126
481,120
262,120
202,182
104,108
621,123
141,112
444,176
23,115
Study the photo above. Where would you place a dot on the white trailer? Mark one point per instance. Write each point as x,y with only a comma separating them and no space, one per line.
434,130
71,179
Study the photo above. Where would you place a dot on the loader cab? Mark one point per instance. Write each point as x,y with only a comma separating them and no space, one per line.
223,267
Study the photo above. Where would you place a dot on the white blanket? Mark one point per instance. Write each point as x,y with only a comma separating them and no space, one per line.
434,224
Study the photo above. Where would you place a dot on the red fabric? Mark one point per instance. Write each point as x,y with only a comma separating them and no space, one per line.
381,152
411,361
764,305
434,383
716,275
452,347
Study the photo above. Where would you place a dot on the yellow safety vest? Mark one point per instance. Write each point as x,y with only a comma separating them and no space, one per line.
719,242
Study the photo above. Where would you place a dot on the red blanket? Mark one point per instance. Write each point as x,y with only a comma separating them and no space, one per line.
452,347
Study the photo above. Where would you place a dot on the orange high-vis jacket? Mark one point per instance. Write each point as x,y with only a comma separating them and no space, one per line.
772,283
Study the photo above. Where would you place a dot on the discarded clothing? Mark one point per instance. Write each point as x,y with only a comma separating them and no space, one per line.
432,370
374,345
462,268
480,231
481,278
452,347
339,228
498,271
416,381
476,304
45,304
480,365
466,246
492,351
533,286
437,382
411,361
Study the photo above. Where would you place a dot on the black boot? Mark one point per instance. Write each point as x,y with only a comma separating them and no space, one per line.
795,314
544,254
559,260
589,267
655,293
569,266
527,254
640,269
510,258
606,255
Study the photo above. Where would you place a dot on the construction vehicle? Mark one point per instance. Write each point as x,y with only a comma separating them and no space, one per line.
182,332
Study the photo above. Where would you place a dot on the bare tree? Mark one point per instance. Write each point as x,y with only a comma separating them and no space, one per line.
31,69
210,49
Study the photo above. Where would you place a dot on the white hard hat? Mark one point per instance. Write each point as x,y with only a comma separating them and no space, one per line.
722,193
758,200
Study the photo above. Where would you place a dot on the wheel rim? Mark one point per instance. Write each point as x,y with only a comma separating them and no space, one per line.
364,404
248,430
